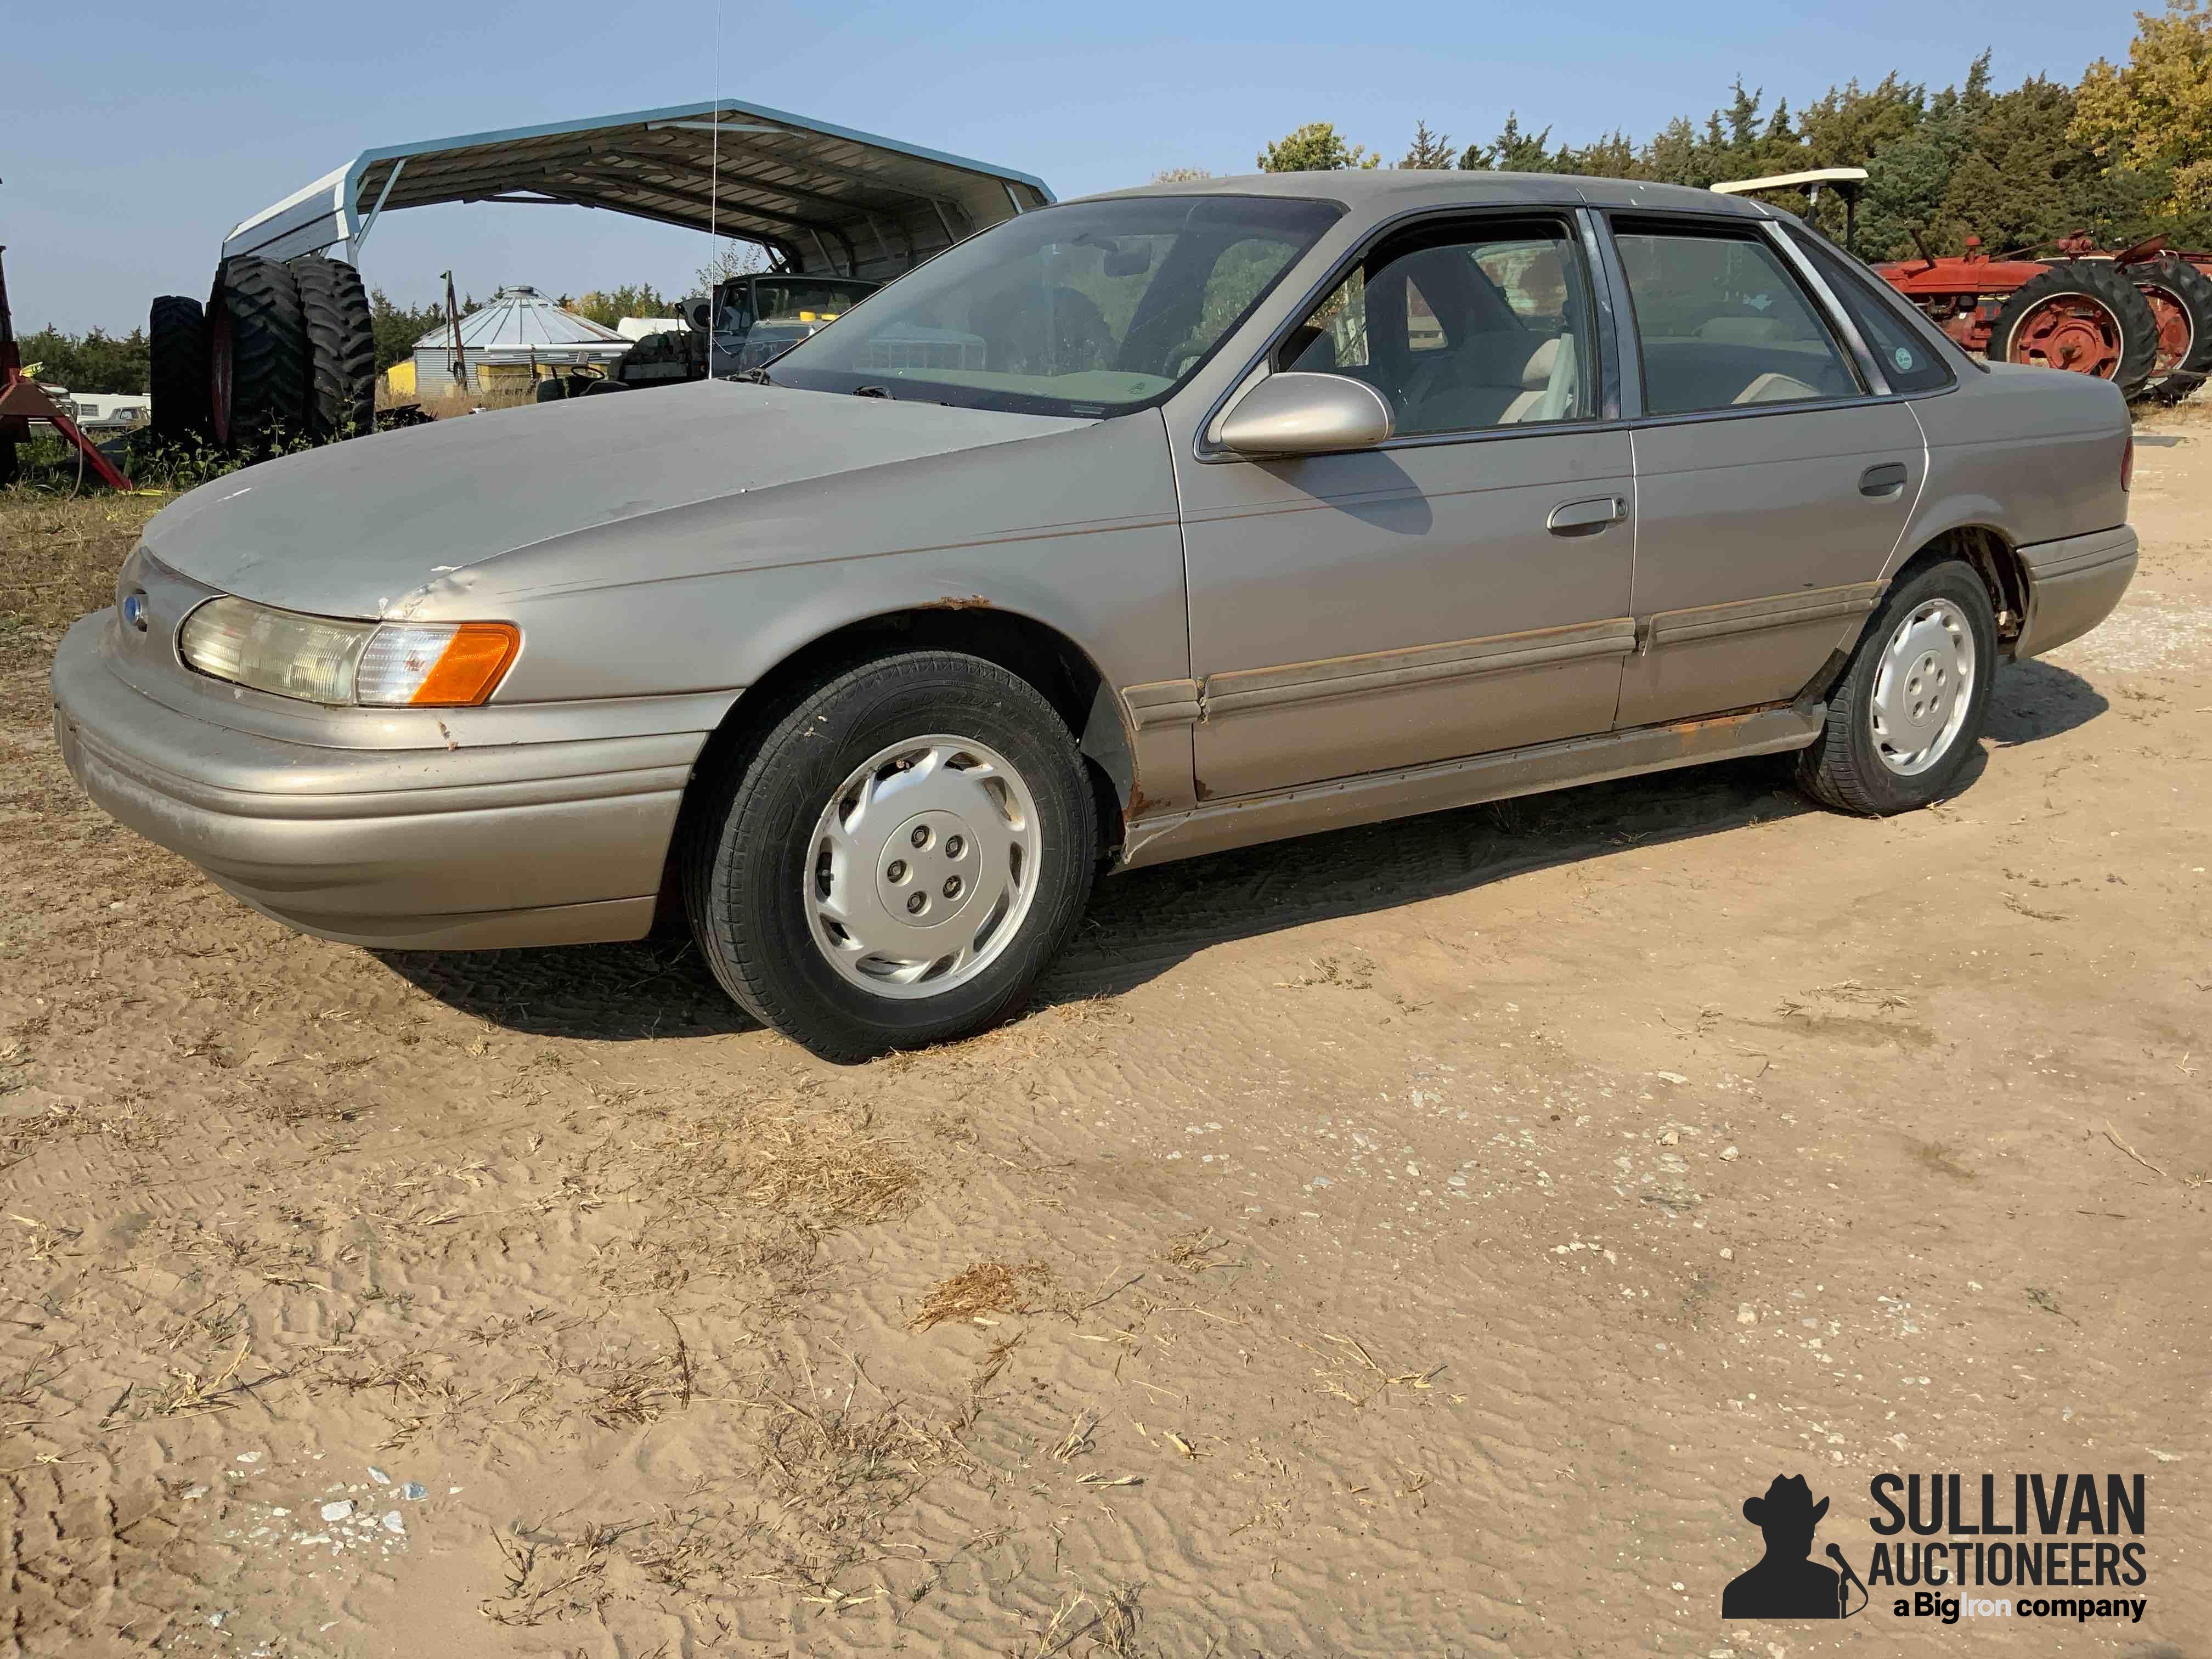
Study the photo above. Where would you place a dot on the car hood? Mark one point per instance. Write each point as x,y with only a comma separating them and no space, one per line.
353,529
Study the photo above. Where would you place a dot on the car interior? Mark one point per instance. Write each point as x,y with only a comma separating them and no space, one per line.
1461,336
1458,335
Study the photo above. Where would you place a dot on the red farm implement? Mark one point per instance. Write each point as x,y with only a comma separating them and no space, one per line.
2141,316
23,400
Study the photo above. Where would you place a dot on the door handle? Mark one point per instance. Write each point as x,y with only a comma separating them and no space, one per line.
1586,518
1884,480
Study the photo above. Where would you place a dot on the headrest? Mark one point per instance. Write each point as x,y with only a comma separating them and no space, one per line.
1536,372
1773,388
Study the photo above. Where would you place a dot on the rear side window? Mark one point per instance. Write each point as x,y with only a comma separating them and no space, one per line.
1908,361
1721,324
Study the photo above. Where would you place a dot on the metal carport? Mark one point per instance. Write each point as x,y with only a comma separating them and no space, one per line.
824,200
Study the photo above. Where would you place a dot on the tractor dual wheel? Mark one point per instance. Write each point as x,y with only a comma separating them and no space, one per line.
2083,316
258,356
2180,298
341,350
177,367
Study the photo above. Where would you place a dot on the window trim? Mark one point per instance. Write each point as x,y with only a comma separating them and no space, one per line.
1605,359
1839,314
1794,233
1740,228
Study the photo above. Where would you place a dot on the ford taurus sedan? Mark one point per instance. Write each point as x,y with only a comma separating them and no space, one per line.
1133,528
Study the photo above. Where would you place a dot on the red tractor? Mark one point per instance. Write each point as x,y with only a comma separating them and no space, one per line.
2141,316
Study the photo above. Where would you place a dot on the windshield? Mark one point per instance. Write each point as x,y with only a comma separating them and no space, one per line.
1091,309
808,299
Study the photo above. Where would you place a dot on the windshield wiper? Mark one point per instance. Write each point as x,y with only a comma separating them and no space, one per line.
756,376
873,391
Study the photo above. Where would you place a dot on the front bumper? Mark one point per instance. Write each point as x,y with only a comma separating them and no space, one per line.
2072,586
561,842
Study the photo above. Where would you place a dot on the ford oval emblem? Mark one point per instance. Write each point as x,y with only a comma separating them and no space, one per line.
134,611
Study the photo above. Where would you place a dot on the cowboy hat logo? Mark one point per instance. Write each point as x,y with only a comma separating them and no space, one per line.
1785,1583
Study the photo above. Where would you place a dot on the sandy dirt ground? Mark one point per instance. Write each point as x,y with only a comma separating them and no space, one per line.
1415,1240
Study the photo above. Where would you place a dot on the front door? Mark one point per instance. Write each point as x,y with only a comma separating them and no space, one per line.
1771,488
1461,589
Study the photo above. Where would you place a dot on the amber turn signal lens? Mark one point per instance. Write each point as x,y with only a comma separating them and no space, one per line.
435,664
469,669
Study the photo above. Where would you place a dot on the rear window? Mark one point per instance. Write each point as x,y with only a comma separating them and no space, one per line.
1910,361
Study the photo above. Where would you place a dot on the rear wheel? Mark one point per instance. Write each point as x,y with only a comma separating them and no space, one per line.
341,349
2180,298
898,857
177,367
1905,718
258,359
2084,316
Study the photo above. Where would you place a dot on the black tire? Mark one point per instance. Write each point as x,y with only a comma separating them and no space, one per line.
258,369
2099,281
341,350
176,367
2191,290
751,850
1843,767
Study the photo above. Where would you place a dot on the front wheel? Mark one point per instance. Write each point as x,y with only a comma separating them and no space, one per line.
897,859
1905,718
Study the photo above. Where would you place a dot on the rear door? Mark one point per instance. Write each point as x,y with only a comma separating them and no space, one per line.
1773,477
1461,588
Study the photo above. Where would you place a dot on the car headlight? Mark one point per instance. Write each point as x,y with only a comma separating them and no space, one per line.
324,660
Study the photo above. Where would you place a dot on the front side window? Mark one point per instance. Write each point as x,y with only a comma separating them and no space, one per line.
1908,362
1721,325
1091,309
1462,328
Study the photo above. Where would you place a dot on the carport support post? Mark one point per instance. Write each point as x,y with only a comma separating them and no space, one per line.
369,223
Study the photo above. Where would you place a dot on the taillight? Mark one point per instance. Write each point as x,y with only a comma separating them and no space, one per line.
2128,462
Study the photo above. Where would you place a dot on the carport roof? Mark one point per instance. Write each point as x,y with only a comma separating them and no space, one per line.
825,199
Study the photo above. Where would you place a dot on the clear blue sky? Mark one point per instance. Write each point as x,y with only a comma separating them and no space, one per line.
133,136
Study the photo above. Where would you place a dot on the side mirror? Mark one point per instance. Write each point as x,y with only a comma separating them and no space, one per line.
1298,414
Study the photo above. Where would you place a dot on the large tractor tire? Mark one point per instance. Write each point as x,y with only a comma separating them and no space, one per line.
2180,297
2082,315
177,371
341,347
259,371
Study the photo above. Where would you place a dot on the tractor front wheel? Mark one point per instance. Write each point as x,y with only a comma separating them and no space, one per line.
2081,316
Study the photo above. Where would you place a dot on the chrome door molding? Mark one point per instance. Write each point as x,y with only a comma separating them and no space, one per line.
1711,622
1247,690
1253,689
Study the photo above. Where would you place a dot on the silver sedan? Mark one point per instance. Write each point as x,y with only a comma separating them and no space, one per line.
1133,528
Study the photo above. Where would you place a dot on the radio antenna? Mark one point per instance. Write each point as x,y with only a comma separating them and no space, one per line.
714,166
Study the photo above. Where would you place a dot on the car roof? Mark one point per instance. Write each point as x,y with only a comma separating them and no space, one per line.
1389,189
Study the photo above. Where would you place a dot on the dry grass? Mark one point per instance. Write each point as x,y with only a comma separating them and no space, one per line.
445,405
820,1169
58,557
985,1288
